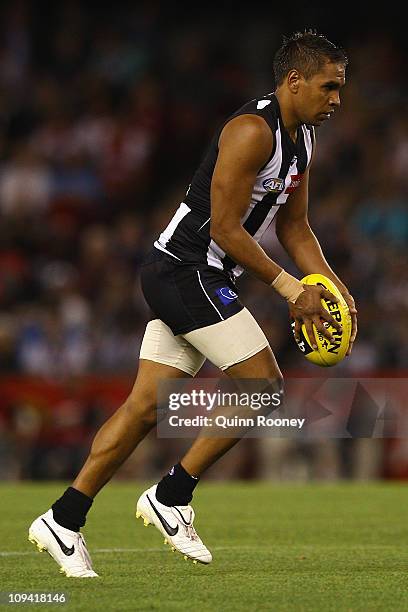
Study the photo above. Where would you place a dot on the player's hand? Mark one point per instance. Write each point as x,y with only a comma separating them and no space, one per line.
308,310
353,312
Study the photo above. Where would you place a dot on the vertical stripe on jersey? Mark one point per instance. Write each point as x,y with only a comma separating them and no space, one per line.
215,255
180,213
308,140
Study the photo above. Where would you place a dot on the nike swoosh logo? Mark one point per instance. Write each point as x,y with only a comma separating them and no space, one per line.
67,551
182,517
168,528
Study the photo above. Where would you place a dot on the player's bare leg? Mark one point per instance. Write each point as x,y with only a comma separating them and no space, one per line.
206,450
119,436
57,530
166,505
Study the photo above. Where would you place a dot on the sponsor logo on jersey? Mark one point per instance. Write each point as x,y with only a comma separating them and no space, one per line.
226,295
294,182
273,185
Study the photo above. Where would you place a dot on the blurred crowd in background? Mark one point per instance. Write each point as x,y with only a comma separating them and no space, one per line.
104,116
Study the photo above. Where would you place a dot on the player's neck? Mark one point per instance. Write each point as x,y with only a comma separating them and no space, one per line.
289,119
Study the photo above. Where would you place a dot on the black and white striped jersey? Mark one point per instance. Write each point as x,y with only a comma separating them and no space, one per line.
187,236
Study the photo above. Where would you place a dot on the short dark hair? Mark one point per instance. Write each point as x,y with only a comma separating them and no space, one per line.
306,52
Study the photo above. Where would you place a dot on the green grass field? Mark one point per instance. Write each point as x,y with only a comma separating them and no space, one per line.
276,547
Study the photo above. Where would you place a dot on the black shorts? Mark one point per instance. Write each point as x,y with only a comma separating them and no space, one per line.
187,296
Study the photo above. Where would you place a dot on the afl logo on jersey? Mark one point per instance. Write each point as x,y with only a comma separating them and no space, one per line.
273,185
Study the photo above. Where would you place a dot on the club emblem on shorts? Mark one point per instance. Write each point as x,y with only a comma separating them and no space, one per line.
226,295
273,185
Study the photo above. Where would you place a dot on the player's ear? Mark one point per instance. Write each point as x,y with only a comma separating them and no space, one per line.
293,79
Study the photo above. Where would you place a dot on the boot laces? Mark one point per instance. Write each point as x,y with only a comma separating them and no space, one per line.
191,533
82,562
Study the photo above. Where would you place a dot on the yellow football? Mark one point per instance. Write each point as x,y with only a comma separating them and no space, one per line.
327,353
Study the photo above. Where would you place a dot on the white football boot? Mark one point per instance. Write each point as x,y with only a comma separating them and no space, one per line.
66,547
175,523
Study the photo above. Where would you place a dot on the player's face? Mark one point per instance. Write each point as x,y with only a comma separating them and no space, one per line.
320,94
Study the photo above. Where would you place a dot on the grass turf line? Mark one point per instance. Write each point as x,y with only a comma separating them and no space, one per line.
275,547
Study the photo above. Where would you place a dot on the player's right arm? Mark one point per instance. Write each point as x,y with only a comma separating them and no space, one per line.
245,145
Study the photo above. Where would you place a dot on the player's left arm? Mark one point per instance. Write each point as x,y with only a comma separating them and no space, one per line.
299,241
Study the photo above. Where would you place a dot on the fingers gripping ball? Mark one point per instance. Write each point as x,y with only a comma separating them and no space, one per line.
327,353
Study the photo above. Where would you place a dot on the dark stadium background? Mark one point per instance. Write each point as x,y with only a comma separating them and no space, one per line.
105,111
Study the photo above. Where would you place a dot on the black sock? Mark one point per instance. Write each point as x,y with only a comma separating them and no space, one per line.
176,488
71,509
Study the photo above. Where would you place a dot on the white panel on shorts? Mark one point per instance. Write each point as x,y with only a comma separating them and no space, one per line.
231,341
161,345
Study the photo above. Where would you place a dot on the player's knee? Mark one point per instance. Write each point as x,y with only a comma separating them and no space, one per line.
142,409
